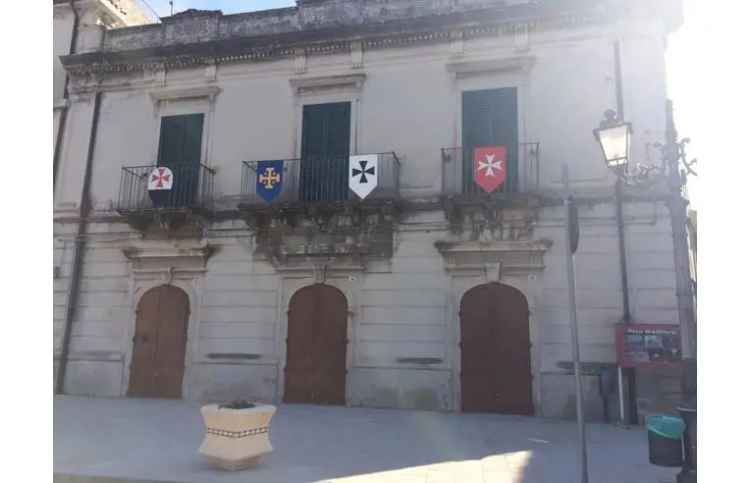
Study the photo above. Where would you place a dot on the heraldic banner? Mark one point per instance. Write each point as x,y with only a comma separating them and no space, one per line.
160,182
363,174
490,167
269,179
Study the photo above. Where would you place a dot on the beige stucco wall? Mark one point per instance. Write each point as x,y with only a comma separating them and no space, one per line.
404,307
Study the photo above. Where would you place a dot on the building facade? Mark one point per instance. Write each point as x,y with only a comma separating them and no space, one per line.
77,27
429,293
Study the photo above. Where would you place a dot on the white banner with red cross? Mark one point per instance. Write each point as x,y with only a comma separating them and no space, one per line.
161,178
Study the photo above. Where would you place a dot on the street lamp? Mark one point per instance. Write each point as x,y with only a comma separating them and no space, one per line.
614,138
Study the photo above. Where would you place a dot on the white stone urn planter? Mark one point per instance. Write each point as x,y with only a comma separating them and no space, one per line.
236,435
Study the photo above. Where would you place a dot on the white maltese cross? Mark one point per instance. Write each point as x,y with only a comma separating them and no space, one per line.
490,165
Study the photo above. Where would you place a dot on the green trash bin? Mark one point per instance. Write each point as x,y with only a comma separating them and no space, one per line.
665,440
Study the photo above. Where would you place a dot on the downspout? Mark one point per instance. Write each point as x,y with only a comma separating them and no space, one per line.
626,316
80,242
64,108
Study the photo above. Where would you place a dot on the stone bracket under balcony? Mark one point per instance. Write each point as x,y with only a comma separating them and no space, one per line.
492,219
174,222
352,230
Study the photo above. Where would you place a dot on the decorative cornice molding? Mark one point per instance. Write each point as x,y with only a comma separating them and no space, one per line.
329,41
303,86
158,255
209,92
472,68
496,259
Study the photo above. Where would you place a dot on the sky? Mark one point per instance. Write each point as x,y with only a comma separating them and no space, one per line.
698,44
226,6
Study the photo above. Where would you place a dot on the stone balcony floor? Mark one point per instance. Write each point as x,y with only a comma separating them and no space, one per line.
119,440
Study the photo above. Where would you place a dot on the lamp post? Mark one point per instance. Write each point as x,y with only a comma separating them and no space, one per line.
613,136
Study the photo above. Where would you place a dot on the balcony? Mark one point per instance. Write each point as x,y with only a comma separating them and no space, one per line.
522,173
319,180
504,214
191,193
313,215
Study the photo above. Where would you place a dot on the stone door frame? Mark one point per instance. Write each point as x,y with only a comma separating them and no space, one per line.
141,282
160,262
516,264
346,279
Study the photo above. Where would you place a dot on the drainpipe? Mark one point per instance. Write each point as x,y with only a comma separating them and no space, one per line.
626,316
80,242
64,108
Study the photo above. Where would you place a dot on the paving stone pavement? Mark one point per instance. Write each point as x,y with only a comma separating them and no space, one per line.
120,440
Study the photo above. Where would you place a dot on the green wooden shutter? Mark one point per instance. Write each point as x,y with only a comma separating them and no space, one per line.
180,142
490,118
325,151
180,139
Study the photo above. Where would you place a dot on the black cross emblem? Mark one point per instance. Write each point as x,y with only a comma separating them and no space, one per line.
363,171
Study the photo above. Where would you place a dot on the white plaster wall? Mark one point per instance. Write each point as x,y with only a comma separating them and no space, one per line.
402,314
402,307
103,314
599,294
62,31
409,104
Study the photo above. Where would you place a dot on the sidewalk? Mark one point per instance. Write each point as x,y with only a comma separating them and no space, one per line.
158,440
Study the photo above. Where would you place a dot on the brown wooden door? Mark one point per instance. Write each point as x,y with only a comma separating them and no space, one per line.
158,362
495,351
316,347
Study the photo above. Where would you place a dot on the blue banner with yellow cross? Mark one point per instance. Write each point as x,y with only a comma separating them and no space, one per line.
269,176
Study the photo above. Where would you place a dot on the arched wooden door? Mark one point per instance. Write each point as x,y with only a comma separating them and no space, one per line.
158,361
316,347
495,351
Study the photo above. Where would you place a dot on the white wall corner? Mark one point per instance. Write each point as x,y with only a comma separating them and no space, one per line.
357,53
521,37
457,45
300,61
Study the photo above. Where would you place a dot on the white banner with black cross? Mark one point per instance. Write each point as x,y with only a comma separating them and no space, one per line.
363,174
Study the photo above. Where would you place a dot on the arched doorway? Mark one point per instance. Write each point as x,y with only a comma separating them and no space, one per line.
495,351
158,362
316,346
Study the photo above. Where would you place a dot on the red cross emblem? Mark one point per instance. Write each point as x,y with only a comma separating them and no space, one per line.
161,178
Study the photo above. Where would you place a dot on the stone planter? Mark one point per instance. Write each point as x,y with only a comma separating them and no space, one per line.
236,438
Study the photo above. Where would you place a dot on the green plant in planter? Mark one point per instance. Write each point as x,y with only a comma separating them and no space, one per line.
237,404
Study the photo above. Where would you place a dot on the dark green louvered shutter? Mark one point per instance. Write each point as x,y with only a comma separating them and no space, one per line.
325,151
490,118
180,144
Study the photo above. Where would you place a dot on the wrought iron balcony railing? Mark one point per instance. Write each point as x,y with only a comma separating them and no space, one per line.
522,171
192,187
317,179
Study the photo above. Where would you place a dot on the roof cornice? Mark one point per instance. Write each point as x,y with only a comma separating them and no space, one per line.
325,41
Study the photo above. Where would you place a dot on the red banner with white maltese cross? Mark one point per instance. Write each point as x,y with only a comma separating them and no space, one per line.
490,167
